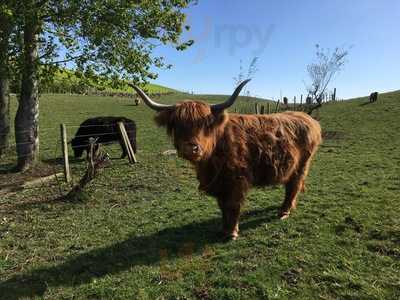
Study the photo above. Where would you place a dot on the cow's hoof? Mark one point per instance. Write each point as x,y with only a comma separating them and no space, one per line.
284,215
230,236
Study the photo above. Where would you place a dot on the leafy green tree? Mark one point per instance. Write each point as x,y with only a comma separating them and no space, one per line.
115,38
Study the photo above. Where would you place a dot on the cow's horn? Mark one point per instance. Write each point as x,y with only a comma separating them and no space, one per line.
152,104
231,100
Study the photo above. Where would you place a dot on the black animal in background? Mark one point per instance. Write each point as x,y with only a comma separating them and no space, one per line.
106,131
373,97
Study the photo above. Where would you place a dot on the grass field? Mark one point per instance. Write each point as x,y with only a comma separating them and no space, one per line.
147,233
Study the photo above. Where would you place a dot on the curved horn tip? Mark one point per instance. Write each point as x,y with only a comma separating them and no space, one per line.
150,103
246,81
232,99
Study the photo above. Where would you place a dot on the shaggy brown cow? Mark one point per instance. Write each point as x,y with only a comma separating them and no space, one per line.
232,152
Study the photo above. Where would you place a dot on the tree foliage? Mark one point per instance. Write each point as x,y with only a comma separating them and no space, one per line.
113,37
322,70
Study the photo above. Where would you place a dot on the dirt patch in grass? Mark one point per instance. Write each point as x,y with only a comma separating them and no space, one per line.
292,276
333,135
10,179
385,249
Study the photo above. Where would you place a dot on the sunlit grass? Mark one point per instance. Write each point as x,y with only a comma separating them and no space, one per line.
147,233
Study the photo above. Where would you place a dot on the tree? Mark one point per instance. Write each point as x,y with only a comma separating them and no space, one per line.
111,38
251,71
322,71
5,35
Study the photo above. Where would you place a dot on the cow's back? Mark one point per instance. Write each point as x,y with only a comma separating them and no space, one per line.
105,129
269,148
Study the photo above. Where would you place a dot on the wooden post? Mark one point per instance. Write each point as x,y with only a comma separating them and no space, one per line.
277,106
64,145
127,143
268,108
301,102
256,108
294,103
262,110
334,95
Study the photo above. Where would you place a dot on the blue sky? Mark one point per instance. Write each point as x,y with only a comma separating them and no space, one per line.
283,35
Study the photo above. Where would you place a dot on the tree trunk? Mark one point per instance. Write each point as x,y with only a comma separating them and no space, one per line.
4,84
27,118
4,115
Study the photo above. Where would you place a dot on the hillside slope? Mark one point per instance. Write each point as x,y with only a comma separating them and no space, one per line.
145,231
70,81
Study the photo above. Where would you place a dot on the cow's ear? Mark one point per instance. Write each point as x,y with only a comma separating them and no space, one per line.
220,118
163,118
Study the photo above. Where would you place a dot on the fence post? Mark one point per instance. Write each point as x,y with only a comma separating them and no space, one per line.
301,102
256,108
268,108
127,143
64,145
334,95
277,106
294,103
262,110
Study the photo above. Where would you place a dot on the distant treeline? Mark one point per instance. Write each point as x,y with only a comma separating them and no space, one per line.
66,81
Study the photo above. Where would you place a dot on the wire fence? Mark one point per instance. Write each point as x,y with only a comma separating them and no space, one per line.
50,155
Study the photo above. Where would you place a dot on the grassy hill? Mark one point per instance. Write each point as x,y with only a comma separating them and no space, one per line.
147,233
69,81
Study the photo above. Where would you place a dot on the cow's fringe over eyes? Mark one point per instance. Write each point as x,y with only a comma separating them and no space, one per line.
190,115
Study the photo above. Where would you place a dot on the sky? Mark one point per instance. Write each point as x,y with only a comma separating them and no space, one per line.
283,35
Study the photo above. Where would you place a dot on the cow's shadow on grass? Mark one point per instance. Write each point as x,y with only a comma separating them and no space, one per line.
366,103
119,257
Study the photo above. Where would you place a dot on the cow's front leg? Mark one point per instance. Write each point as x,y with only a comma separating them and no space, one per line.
230,208
124,153
232,211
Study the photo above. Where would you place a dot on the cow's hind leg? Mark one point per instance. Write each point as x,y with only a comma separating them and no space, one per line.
293,187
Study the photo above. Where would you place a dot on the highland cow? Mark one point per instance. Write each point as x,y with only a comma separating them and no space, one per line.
105,129
233,152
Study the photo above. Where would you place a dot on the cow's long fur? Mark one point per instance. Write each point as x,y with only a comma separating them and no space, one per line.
240,151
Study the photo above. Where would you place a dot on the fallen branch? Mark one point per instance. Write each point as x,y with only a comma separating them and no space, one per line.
41,180
97,160
29,184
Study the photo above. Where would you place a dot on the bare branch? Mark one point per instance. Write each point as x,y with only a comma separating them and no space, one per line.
322,71
65,60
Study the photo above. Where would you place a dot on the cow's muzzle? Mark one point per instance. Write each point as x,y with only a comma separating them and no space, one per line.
190,151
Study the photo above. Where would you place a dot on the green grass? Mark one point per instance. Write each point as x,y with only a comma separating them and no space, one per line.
147,233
